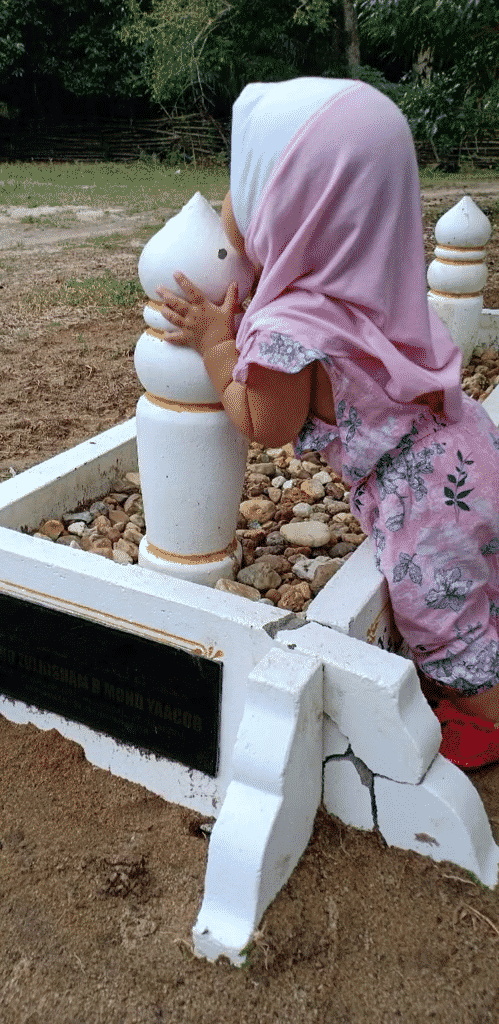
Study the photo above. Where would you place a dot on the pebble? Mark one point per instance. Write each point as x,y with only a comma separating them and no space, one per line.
99,508
122,557
274,538
260,576
133,504
77,528
324,573
311,533
118,515
259,509
130,548
295,527
306,568
293,598
52,528
313,488
80,517
241,589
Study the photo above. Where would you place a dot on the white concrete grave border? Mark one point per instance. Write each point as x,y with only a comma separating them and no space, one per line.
309,708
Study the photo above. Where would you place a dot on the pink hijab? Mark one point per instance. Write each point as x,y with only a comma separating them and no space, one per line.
330,208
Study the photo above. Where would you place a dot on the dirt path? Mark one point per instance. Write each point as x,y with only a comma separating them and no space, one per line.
100,882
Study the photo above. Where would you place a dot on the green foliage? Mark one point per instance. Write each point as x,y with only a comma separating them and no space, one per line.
203,52
447,56
69,44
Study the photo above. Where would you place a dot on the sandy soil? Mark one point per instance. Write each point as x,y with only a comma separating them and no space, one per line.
101,882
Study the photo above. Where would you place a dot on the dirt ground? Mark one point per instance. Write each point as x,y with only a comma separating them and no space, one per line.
101,882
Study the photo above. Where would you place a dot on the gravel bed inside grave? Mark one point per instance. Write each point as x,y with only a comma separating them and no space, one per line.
295,525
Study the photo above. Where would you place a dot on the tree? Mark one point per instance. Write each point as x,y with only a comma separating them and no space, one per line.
445,55
48,47
203,52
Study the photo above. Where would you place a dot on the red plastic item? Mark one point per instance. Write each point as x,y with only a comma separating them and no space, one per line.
467,740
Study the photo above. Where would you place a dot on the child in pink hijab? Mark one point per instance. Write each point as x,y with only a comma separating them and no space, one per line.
339,351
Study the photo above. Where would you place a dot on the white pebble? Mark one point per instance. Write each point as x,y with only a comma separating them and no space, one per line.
278,481
77,528
322,477
311,534
302,509
288,484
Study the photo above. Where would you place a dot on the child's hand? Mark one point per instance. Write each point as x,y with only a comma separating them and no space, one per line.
201,323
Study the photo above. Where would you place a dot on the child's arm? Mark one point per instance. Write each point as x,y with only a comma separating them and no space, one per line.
273,406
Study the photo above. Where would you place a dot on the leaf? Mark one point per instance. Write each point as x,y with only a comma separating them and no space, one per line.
459,455
449,502
399,572
452,478
395,523
448,493
416,575
463,505
464,494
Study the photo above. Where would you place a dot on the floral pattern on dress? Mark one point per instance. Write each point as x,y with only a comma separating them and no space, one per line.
492,548
314,436
450,590
472,670
282,352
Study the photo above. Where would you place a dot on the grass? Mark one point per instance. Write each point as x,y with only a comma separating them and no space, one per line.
136,187
429,176
104,292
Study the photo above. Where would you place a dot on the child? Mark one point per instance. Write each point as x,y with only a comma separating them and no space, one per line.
339,351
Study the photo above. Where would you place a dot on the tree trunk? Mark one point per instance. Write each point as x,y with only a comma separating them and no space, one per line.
352,34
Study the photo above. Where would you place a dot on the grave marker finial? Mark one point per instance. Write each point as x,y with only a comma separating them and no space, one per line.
458,273
191,457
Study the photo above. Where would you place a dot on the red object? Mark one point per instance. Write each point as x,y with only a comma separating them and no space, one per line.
467,740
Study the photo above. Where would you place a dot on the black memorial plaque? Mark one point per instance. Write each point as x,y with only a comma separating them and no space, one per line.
145,694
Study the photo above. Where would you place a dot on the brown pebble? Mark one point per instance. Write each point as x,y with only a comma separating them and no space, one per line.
241,589
274,494
126,545
272,594
100,544
133,504
335,491
53,528
354,538
118,515
132,534
101,524
304,550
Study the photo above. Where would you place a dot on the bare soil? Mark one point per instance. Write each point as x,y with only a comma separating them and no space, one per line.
101,882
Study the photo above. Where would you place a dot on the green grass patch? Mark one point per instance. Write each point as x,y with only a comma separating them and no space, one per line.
430,176
104,293
136,187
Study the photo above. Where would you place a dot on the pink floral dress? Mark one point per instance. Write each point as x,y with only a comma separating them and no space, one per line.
427,491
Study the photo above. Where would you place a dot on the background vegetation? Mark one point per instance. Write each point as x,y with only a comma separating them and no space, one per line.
438,59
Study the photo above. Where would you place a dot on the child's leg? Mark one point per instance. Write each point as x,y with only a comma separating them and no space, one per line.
485,704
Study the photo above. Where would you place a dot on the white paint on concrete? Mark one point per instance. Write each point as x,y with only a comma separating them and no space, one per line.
376,701
333,741
443,817
267,817
345,794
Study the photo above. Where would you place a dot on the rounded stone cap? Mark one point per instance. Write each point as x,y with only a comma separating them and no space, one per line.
174,372
464,226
